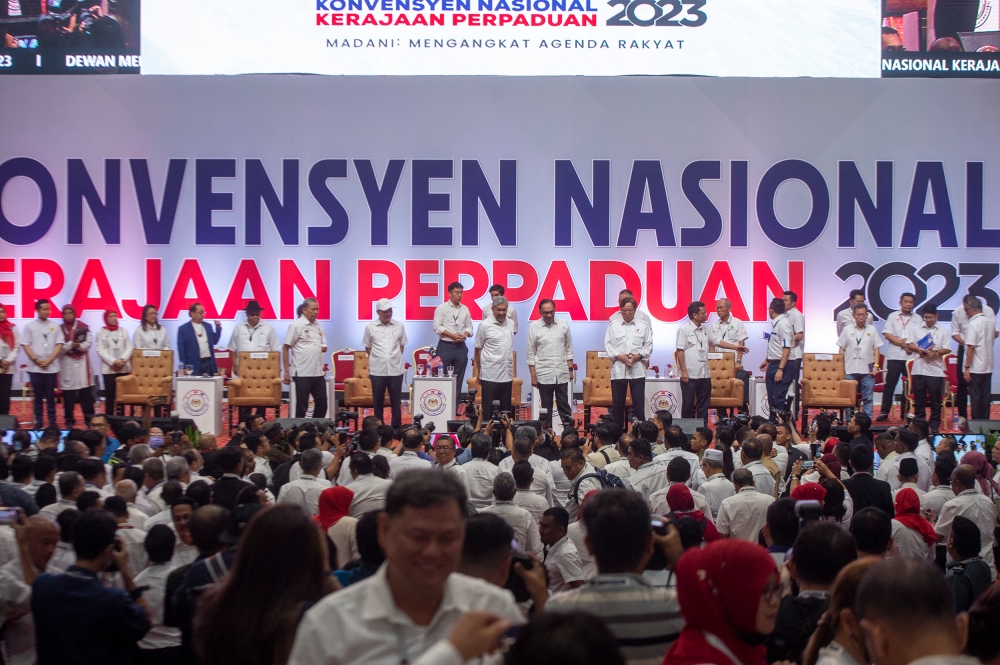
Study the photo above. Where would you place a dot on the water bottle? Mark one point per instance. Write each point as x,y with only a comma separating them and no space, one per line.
670,371
711,416
954,420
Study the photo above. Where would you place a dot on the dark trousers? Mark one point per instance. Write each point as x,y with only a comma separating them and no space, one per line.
85,398
394,385
44,387
979,396
962,394
636,388
456,355
306,386
894,369
561,392
695,395
928,388
495,390
5,382
111,392
777,392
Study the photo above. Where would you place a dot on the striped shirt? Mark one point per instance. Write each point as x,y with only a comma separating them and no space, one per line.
644,619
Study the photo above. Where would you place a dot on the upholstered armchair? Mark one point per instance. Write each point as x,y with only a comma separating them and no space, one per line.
824,385
515,389
152,375
597,384
727,390
258,382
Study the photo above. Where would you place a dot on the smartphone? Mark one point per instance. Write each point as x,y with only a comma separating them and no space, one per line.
8,516
807,466
659,526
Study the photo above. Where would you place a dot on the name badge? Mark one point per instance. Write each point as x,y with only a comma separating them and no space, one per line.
905,335
702,356
824,356
146,353
259,355
715,356
857,354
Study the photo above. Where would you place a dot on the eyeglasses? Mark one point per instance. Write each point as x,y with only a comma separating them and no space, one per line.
894,47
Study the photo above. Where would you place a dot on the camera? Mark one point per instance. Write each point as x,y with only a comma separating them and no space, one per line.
495,418
808,511
514,582
470,407
418,419
657,561
345,416
784,416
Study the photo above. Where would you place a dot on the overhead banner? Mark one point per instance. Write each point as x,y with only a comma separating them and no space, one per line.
352,190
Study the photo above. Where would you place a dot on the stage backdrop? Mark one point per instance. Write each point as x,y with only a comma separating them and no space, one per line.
118,192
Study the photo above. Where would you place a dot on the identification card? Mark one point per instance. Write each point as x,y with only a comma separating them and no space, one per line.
857,353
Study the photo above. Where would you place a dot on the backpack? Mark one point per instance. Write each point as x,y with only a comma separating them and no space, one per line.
608,480
280,475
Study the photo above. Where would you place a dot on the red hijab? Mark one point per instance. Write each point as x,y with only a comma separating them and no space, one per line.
832,462
984,472
809,492
108,326
682,505
7,331
334,503
719,589
907,507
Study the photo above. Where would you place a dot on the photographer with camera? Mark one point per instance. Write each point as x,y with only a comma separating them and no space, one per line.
550,360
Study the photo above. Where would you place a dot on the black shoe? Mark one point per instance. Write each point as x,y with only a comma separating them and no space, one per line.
882,417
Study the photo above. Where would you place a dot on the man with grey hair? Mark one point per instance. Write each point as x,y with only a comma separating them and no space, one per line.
498,290
306,489
520,520
138,454
127,490
728,328
977,368
302,354
959,325
494,359
152,484
177,469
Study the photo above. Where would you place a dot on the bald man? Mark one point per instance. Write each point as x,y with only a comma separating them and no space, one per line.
37,538
968,502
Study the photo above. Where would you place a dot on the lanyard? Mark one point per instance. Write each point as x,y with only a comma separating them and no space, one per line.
857,340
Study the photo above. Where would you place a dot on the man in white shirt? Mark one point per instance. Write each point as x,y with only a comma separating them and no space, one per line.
409,459
907,475
42,343
744,514
730,329
778,376
480,472
860,344
973,505
798,323
258,444
541,483
978,368
716,487
959,323
305,342
453,325
37,539
252,335
751,453
941,492
306,490
369,490
494,358
161,641
498,290
384,342
560,557
629,344
416,608
899,331
649,477
845,318
444,455
906,444
693,342
930,344
550,360
583,477
520,520
535,504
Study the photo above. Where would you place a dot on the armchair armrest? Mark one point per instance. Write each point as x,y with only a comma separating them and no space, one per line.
848,388
736,388
127,385
352,387
235,387
167,383
588,386
807,391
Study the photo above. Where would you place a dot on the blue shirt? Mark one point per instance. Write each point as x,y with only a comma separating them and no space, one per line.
109,448
464,456
79,621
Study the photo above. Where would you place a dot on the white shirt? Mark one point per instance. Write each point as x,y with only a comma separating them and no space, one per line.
112,346
369,494
931,365
980,510
732,331
386,342
15,596
908,486
511,314
859,348
153,339
259,338
454,319
562,563
634,337
923,468
925,451
307,343
537,462
658,504
160,636
691,458
42,337
693,341
295,471
550,350
407,461
9,353
762,478
199,332
979,333
744,514
782,337
936,497
520,520
455,470
909,544
904,327
361,625
263,466
134,541
845,319
561,485
578,492
577,533
496,344
137,518
639,316
717,489
798,323
304,492
480,475
648,478
531,502
960,320
621,468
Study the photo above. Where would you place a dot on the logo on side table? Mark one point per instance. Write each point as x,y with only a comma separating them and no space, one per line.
663,400
432,402
195,402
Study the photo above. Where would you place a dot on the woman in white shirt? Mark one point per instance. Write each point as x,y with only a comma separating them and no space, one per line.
8,356
333,517
150,335
115,351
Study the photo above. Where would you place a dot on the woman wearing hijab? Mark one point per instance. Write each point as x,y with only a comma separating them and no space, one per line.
682,505
8,356
729,594
150,334
115,351
984,474
74,367
333,518
914,537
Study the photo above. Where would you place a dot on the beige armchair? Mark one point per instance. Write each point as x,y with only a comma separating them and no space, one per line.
152,375
358,388
597,384
727,390
258,383
515,389
824,385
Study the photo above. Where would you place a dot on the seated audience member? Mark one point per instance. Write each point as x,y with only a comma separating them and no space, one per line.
907,474
678,473
36,539
70,488
649,476
575,637
644,619
480,471
224,490
866,491
75,614
820,552
46,495
913,535
305,491
487,555
781,528
409,459
89,500
871,529
682,505
935,498
525,498
371,554
335,520
161,645
729,594
983,642
421,530
838,639
369,491
973,505
744,514
967,574
520,520
561,560
582,477
907,615
271,599
716,487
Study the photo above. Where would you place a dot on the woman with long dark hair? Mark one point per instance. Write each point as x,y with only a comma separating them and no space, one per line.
281,570
150,334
